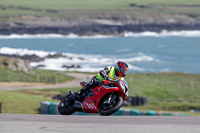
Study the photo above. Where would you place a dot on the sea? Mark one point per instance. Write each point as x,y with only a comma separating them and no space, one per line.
166,51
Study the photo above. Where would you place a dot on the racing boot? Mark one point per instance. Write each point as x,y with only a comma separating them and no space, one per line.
77,105
77,96
79,93
72,94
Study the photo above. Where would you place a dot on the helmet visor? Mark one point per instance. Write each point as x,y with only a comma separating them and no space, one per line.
124,71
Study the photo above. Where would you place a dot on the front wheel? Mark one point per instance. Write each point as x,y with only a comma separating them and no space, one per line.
66,109
115,104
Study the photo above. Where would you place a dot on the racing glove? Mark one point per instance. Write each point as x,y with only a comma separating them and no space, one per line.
109,79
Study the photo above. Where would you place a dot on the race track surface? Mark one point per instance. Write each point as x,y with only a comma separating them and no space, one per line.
10,123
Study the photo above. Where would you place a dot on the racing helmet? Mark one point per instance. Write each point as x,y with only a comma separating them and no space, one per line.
121,68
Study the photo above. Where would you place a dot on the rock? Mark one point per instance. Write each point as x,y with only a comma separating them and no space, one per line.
30,58
55,56
135,5
39,66
68,66
81,58
100,29
16,64
71,66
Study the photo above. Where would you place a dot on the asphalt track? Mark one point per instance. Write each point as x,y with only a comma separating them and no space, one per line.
10,123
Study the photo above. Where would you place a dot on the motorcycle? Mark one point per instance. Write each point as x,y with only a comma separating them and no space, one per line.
105,99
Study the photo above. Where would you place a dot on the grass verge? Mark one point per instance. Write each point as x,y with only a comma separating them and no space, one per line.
91,4
27,11
172,92
7,75
27,101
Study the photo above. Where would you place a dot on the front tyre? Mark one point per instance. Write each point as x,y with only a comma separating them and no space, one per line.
116,104
64,109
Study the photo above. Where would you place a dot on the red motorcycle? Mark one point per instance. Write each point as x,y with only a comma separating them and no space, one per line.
105,99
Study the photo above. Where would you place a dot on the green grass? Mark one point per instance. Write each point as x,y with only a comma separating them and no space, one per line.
7,75
19,103
27,101
90,4
92,9
168,92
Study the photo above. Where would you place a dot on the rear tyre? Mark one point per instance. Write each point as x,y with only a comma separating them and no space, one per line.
114,107
66,109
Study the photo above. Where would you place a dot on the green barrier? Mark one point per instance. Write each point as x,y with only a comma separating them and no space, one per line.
151,113
134,112
183,114
82,113
52,108
119,112
166,114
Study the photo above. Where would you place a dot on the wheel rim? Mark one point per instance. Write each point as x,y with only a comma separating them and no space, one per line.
105,106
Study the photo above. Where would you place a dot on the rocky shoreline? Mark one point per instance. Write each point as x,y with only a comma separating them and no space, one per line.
34,58
16,64
96,29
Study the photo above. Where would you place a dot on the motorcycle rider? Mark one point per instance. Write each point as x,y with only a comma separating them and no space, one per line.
109,73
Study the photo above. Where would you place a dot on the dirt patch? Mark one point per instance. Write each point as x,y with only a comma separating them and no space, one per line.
42,93
20,84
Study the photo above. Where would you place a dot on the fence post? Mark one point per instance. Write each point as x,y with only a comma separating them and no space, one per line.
46,78
192,84
9,78
167,83
55,78
131,79
87,78
0,107
178,84
38,78
156,80
24,77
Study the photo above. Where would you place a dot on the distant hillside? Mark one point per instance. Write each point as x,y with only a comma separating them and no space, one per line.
97,17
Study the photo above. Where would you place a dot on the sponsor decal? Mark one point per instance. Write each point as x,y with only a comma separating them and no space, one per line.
91,105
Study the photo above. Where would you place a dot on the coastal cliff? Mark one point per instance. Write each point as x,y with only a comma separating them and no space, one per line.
133,17
96,29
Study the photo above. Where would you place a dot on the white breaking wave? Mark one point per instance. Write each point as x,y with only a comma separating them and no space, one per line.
89,65
80,62
164,33
30,36
165,70
142,58
21,52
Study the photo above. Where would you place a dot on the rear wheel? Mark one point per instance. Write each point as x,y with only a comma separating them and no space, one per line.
114,104
66,106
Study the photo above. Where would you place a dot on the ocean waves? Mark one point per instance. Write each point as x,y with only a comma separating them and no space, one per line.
70,36
78,62
164,33
22,52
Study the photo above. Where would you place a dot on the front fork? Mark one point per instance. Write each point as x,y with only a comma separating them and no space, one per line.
110,99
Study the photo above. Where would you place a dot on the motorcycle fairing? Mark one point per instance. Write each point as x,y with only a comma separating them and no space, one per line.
90,104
